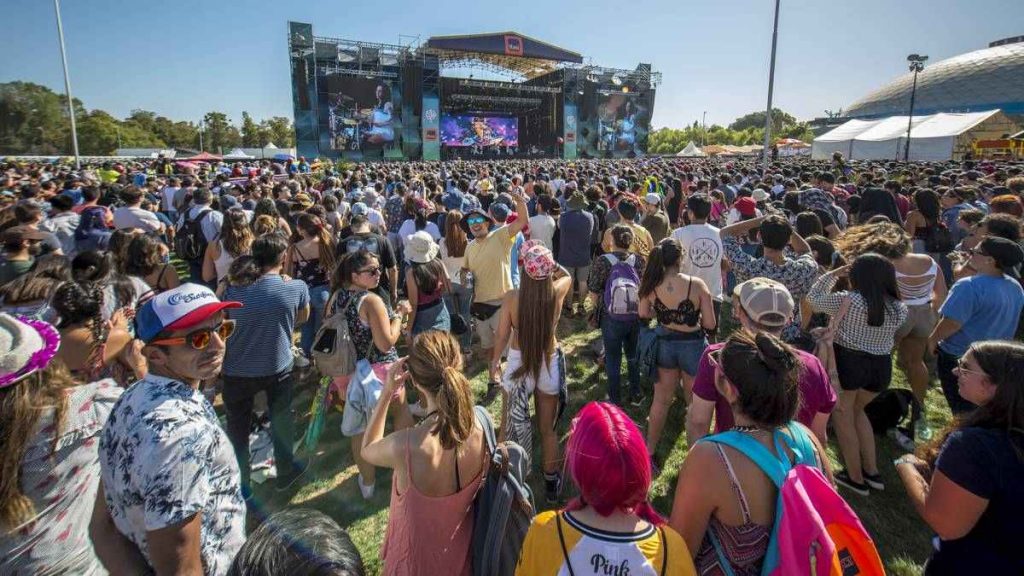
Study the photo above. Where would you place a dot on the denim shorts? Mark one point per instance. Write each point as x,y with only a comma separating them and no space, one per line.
680,350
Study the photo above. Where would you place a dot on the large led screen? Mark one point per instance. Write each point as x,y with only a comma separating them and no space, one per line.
469,130
362,114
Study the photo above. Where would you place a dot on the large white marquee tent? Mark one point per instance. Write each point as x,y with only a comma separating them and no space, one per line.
933,138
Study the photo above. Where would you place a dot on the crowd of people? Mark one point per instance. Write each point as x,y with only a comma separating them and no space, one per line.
766,305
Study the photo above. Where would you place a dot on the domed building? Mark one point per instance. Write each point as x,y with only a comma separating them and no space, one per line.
988,79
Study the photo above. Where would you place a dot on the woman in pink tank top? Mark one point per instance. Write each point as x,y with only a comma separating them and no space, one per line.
438,463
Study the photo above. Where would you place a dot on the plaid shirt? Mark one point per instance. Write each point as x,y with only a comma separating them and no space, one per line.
854,332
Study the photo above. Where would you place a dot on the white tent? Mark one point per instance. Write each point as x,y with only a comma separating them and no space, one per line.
238,154
934,137
691,151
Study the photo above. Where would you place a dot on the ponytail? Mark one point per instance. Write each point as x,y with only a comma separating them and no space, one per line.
435,364
666,253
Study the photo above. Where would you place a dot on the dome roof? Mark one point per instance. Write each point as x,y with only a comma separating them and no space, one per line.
981,80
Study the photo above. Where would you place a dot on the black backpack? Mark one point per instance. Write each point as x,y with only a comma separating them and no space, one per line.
939,239
190,242
891,408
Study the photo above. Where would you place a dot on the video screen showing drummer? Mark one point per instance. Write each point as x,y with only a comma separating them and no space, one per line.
360,114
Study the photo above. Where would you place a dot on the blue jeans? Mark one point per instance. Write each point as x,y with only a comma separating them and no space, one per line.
619,336
458,302
318,296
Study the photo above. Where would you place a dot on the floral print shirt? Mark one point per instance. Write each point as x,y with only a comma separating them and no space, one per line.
62,485
164,458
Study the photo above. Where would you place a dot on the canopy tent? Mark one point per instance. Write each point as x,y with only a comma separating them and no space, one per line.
690,151
203,157
933,138
791,143
238,154
283,157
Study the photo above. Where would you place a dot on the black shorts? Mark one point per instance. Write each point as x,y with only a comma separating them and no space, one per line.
862,371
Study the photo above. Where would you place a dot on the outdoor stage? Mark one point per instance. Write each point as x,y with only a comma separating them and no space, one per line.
368,101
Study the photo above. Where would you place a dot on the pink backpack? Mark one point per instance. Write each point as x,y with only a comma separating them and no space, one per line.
815,531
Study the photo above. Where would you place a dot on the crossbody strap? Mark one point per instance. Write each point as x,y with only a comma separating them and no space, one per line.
561,541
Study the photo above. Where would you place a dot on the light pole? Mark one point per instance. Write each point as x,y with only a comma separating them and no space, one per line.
704,130
67,86
771,87
916,65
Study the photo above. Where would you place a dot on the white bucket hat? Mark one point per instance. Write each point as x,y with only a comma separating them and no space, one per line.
421,248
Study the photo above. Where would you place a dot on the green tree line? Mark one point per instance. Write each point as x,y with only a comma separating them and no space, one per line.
34,120
745,130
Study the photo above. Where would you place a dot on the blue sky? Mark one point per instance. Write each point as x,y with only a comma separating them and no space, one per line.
184,58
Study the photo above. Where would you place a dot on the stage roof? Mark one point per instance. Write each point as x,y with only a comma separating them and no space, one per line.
510,51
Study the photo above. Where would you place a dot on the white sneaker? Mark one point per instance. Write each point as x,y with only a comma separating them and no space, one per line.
300,359
366,491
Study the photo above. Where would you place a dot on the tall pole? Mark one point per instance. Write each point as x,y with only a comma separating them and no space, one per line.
771,87
916,65
200,136
67,86
910,119
704,130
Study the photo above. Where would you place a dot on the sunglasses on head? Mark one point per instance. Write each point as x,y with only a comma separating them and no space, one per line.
200,339
475,220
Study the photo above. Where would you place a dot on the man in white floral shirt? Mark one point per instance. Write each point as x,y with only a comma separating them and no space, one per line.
170,499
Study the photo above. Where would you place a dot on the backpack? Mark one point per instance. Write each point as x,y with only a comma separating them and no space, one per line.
190,242
503,508
333,351
815,531
92,232
891,408
939,239
622,290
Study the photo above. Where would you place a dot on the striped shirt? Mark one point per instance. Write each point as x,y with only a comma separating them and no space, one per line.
262,342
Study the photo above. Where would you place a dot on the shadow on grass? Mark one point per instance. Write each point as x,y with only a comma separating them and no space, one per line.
330,485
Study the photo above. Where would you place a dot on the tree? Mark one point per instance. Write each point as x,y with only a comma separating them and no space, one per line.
218,133
252,134
780,120
279,131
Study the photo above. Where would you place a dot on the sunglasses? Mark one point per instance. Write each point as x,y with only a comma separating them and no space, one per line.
371,271
200,339
475,220
976,252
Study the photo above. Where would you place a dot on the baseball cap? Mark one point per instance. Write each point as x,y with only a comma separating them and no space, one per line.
746,206
766,301
360,209
181,308
652,199
1006,253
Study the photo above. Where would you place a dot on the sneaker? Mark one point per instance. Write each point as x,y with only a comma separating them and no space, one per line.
300,359
285,483
874,481
365,490
552,487
636,398
844,480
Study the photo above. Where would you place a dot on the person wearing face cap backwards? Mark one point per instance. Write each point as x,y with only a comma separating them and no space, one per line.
171,499
986,306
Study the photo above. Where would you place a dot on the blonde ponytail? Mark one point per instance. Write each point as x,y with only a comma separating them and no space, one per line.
435,363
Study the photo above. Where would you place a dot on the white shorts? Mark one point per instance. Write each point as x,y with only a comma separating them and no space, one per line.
547,381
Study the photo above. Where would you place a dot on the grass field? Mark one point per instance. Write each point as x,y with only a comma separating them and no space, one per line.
331,487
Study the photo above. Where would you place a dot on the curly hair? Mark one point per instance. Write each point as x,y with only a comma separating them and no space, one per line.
885,238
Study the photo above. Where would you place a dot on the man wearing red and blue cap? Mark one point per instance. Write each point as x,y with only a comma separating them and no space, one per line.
170,499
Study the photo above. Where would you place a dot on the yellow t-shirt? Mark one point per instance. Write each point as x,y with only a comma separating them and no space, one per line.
489,260
593,552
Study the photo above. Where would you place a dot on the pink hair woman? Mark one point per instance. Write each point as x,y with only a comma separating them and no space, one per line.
611,524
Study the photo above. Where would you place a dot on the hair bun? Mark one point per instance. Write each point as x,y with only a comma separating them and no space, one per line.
774,353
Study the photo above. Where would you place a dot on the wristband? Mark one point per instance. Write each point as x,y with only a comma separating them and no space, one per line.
905,459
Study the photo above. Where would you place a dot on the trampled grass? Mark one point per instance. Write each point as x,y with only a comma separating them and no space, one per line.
330,485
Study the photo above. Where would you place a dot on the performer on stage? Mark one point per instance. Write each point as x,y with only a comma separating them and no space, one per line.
381,130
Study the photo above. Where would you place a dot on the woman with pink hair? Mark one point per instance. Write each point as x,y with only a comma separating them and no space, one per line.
610,528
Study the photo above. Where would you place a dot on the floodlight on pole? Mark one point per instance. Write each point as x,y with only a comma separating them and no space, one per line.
916,65
771,87
67,86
